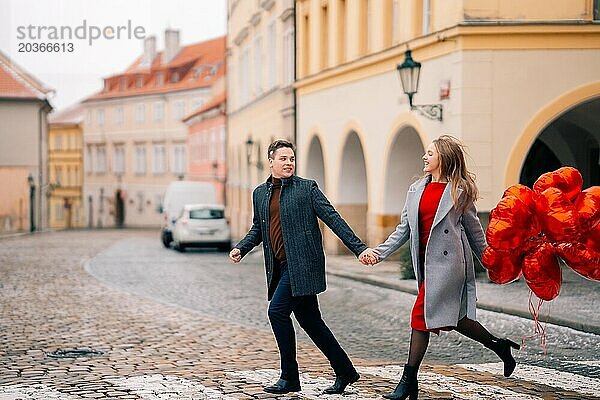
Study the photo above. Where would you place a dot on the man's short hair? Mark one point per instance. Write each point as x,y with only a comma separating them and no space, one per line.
278,144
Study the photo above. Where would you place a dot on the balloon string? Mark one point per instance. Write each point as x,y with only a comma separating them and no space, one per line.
538,330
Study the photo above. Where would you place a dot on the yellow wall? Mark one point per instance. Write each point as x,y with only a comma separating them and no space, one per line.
66,175
527,10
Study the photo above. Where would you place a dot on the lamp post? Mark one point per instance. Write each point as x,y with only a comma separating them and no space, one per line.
250,145
409,72
31,184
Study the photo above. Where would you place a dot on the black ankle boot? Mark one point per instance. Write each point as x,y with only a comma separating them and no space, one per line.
408,386
502,348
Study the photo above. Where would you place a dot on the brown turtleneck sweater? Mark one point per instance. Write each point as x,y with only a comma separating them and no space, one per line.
275,233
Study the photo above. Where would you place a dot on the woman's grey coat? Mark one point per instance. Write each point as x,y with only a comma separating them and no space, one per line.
449,271
300,204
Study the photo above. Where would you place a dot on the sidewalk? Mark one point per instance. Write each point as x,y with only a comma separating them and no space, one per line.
575,306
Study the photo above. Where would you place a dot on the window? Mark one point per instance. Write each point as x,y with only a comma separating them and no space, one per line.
119,159
363,45
213,144
160,159
118,116
596,10
341,33
288,57
244,76
68,181
139,113
222,143
159,111
100,159
179,110
58,142
178,166
58,178
100,117
258,65
272,54
395,21
87,160
160,79
76,177
175,77
123,84
197,103
139,82
305,46
205,213
89,117
140,159
426,16
324,37
58,210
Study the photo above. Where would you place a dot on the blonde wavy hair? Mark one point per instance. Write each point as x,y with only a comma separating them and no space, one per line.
454,168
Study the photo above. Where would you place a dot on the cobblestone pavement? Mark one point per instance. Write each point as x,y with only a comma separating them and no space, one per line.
192,326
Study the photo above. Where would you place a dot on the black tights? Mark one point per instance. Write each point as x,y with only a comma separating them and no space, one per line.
419,340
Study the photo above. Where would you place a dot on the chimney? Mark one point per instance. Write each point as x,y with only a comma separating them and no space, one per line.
149,51
171,45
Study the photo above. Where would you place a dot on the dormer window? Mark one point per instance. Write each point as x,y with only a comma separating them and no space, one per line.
139,81
160,79
123,83
175,77
106,85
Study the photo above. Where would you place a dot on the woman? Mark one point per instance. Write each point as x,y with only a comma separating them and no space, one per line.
440,220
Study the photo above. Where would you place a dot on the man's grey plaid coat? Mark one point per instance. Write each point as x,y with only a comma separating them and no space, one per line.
301,202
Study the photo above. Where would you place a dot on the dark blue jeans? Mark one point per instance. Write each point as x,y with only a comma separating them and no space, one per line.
307,313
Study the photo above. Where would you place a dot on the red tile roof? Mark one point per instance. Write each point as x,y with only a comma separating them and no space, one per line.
197,65
16,83
215,102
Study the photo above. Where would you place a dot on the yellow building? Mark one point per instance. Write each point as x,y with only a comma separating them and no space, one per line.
518,82
260,97
65,164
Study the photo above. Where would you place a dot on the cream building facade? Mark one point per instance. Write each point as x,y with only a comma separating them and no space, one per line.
518,83
260,98
135,142
24,108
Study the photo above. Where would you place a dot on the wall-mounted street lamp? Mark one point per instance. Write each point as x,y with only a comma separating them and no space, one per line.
251,145
31,184
409,72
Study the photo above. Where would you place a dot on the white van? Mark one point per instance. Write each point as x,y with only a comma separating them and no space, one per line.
178,194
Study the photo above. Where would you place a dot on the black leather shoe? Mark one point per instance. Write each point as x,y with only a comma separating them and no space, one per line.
340,383
283,386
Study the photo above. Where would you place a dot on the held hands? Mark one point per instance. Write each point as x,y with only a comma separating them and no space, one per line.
369,257
235,255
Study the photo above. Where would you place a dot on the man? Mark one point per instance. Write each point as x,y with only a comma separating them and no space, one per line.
286,208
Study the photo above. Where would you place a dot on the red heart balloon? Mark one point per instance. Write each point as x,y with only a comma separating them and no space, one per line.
567,179
511,225
587,205
592,239
502,267
583,261
557,216
542,272
523,193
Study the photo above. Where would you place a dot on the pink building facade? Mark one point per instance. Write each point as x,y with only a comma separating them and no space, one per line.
207,145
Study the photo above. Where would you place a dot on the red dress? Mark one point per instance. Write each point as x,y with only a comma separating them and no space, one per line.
427,209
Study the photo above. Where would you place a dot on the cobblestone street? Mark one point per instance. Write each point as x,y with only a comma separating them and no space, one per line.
193,326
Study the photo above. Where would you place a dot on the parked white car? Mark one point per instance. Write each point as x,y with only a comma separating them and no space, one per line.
202,225
178,194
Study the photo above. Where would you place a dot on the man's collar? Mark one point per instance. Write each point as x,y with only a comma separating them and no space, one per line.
284,181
